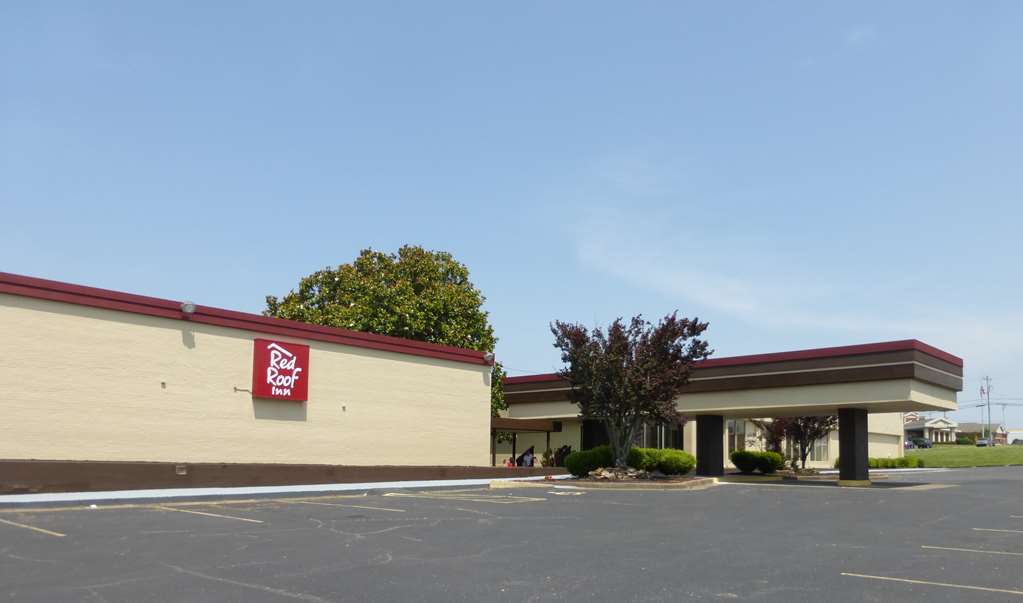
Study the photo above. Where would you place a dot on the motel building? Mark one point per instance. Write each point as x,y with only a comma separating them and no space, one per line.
104,390
868,386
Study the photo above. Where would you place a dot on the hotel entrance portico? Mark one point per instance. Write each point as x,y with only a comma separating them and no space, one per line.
852,382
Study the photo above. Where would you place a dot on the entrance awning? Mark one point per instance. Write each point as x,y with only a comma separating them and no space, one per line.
894,376
520,425
515,427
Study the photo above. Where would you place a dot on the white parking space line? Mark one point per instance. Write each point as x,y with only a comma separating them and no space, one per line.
324,504
162,508
1018,593
997,530
33,528
498,500
951,548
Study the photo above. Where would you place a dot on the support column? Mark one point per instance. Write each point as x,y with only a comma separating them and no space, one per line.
853,469
710,446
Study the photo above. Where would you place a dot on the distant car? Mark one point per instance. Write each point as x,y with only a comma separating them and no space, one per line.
982,443
1017,442
922,443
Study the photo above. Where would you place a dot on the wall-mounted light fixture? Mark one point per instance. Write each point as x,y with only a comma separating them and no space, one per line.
489,357
188,307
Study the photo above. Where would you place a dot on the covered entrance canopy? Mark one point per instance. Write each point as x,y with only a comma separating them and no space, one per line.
848,381
515,427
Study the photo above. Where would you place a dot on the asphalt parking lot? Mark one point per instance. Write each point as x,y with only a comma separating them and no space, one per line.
949,536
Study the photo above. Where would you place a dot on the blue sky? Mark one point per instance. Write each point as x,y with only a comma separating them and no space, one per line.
799,174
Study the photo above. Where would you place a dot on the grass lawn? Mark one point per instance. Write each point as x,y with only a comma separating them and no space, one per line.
969,456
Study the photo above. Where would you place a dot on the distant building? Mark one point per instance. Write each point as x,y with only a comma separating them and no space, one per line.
938,429
978,431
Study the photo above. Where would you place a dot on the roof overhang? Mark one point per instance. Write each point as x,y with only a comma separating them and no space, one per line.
520,425
894,376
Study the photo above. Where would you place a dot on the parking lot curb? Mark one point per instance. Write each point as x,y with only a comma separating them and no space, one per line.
854,483
11,500
752,479
691,484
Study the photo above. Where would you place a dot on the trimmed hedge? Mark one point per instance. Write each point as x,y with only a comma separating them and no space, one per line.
642,458
906,462
770,462
667,460
581,462
748,461
675,462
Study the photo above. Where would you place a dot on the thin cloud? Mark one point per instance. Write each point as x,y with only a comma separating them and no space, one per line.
860,35
645,254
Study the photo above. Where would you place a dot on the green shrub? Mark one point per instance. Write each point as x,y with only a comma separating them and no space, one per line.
643,458
666,460
768,462
675,462
906,462
746,461
911,462
581,462
965,441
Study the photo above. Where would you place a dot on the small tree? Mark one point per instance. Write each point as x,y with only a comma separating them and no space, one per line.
804,431
630,373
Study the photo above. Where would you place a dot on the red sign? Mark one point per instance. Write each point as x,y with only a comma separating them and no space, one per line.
280,370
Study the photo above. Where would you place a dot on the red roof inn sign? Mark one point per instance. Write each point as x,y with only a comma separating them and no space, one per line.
280,370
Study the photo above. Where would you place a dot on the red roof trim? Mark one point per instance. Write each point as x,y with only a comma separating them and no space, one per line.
38,288
848,350
532,378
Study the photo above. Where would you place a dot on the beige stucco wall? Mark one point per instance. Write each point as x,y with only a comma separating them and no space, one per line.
885,446
543,410
890,423
81,383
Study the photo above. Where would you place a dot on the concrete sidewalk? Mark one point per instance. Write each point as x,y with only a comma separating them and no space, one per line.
170,493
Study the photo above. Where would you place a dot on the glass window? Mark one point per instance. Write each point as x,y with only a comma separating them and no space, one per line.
659,435
736,435
818,450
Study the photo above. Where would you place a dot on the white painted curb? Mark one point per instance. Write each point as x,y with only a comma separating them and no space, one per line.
903,470
249,490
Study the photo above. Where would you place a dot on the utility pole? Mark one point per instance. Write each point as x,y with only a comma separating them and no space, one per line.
986,390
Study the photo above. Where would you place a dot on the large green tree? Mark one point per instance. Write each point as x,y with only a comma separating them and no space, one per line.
414,293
